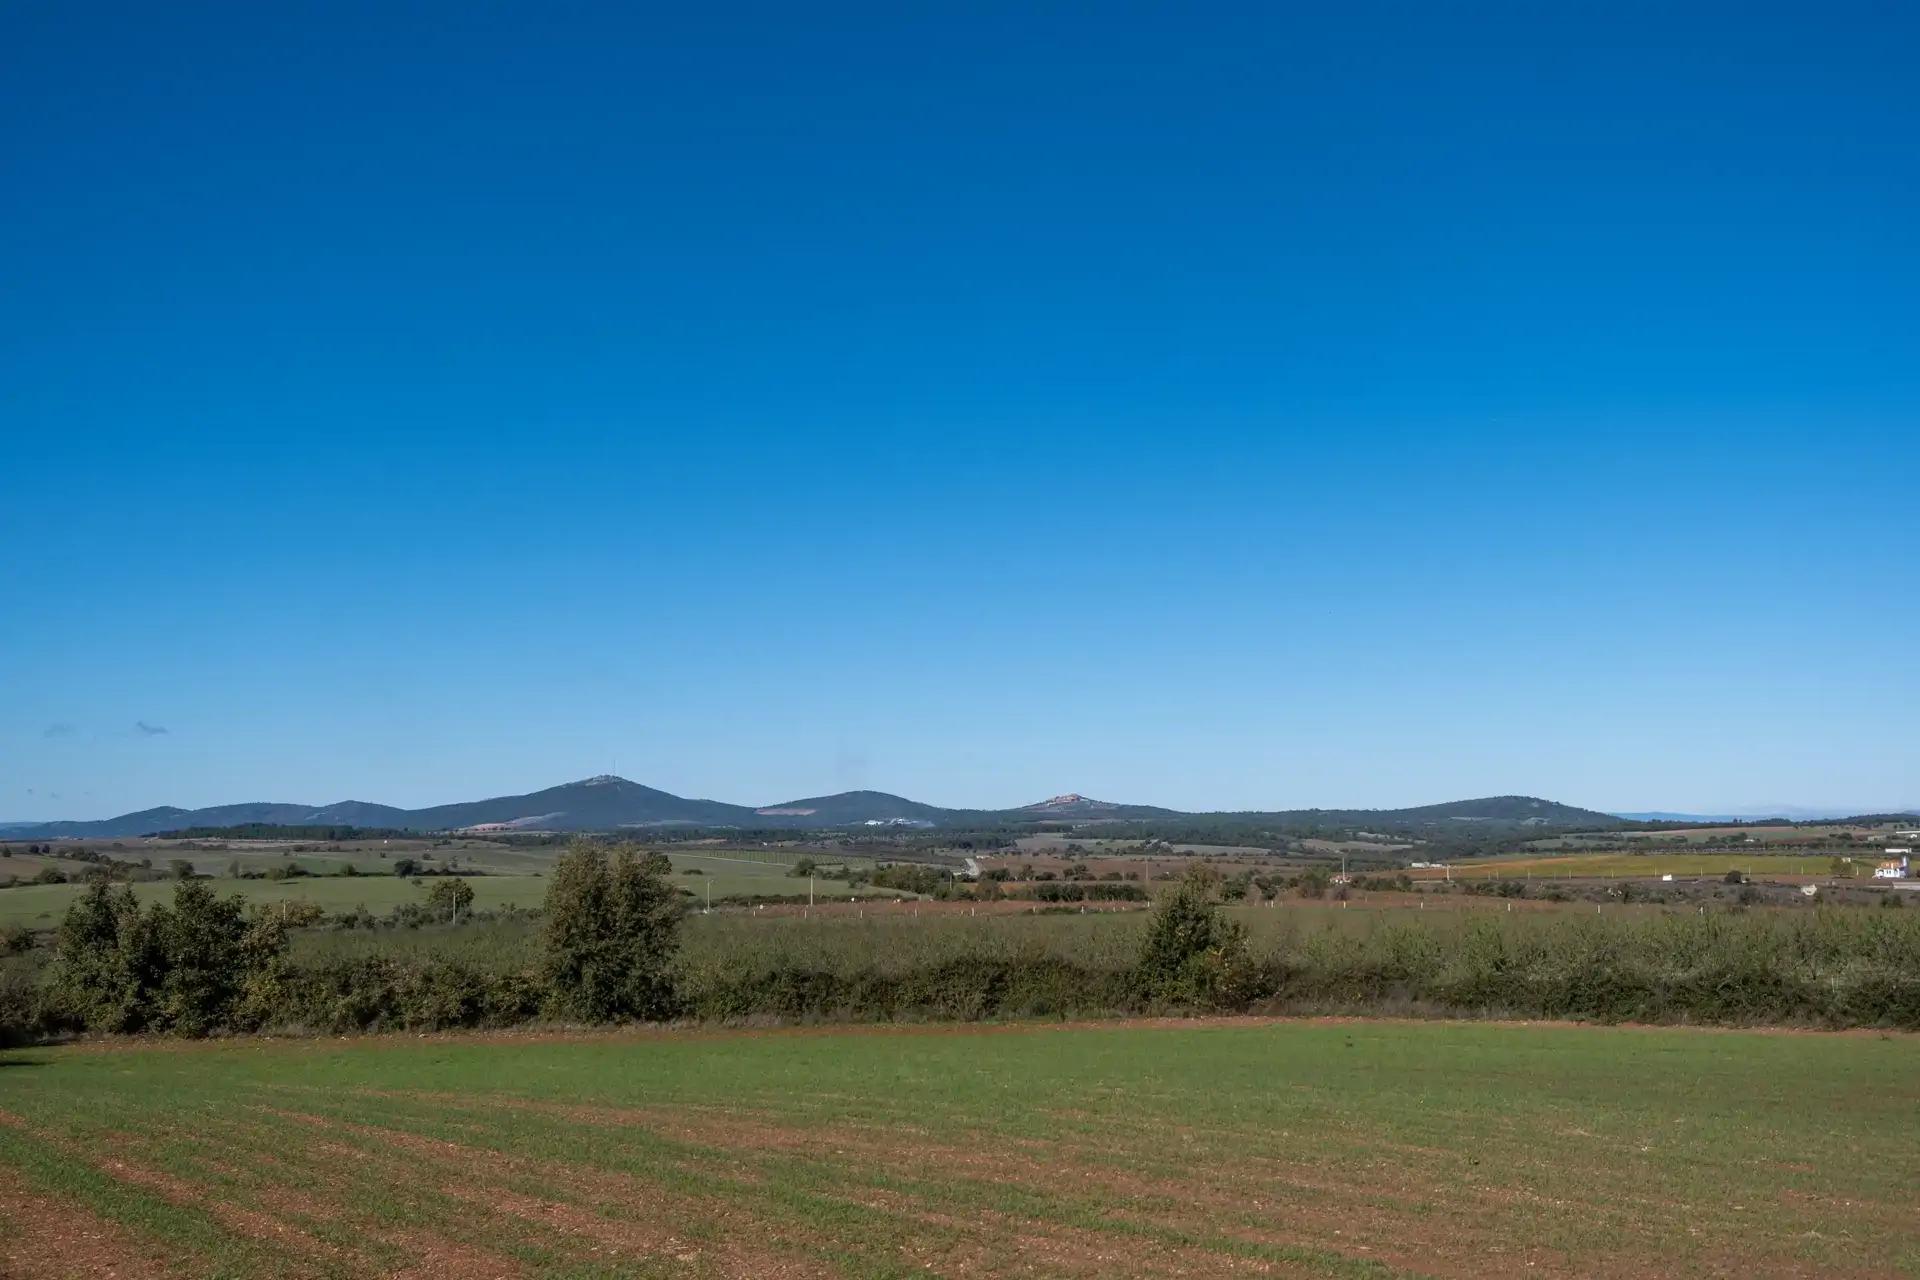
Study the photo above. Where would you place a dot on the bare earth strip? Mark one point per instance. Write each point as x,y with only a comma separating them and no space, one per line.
648,1211
46,1238
1484,1230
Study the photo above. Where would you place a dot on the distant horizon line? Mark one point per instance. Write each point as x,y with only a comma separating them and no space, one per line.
1731,813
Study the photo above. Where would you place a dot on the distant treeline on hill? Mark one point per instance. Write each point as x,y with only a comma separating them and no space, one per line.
273,831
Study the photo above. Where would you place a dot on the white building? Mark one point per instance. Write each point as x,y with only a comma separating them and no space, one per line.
1897,868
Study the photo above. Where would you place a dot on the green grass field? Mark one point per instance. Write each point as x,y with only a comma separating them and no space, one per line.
40,906
1338,1149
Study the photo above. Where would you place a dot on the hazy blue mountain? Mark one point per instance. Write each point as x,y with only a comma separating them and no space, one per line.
592,804
167,818
853,807
1529,810
608,803
1080,807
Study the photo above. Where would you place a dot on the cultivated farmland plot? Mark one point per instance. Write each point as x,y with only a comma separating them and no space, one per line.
1196,1148
38,906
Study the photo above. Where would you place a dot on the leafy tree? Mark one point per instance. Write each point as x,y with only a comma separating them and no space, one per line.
180,868
406,868
182,968
451,896
611,934
1194,954
107,962
198,939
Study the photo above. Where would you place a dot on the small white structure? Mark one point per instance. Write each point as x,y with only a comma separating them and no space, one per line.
1810,890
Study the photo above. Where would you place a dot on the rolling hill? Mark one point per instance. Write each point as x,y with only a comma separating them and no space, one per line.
608,803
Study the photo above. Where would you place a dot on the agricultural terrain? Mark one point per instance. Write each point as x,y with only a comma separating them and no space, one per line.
1146,1149
505,879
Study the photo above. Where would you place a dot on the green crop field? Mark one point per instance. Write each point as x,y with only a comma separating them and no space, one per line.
40,906
1340,1149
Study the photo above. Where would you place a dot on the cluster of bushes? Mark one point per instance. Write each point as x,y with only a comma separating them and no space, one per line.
1825,969
608,951
94,865
205,963
1081,891
910,878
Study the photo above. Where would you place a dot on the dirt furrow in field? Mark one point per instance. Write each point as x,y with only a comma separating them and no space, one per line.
1058,1247
1307,1200
54,1238
649,1213
438,1258
235,1218
1306,1205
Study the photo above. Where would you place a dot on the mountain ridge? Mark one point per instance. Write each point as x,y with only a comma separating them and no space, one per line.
608,803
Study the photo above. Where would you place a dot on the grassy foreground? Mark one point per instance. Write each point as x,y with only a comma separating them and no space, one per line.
1356,1149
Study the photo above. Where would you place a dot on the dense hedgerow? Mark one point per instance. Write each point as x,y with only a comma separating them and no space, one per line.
610,948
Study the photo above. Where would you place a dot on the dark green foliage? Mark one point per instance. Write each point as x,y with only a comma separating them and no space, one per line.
49,875
966,988
275,831
910,877
180,868
187,968
612,929
1193,955
450,899
376,994
406,868
1070,891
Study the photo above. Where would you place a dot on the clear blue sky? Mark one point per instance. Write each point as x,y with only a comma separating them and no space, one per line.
1219,407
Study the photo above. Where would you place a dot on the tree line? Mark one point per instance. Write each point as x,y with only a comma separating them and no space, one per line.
610,951
204,963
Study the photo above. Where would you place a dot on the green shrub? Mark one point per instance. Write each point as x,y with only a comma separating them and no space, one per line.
449,898
612,928
182,968
1193,954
